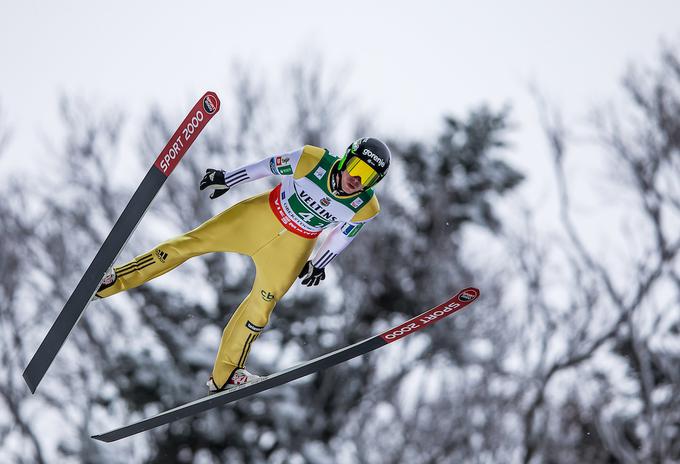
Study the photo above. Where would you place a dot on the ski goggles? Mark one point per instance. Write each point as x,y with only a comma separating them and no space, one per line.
359,168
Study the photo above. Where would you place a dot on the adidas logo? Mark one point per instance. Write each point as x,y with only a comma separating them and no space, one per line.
161,255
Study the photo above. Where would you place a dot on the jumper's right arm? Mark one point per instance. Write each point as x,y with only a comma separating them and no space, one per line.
221,181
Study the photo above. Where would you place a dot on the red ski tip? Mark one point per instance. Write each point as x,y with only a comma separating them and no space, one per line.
186,133
448,307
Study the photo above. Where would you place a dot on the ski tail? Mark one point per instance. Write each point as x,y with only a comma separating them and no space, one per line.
450,306
192,125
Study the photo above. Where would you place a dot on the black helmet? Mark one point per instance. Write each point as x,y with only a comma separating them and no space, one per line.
367,158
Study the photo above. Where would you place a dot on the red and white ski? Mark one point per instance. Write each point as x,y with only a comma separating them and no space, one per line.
199,116
450,306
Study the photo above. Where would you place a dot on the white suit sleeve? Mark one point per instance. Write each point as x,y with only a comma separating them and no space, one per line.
338,239
278,165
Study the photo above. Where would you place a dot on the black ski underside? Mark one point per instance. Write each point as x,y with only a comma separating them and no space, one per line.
237,393
76,304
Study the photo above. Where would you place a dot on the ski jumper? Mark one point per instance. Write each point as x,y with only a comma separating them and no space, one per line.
277,229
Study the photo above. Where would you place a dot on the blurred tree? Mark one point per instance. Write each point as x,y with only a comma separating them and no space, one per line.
406,259
152,348
20,439
613,338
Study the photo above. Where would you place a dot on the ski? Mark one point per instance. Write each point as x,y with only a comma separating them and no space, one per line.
429,317
199,116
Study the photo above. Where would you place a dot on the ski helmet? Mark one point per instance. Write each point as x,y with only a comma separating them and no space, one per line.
368,158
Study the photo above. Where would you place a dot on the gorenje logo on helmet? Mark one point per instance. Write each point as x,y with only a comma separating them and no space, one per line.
373,157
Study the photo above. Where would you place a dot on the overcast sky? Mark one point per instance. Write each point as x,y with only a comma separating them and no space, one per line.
411,62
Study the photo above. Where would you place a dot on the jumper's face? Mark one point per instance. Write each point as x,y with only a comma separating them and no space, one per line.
349,183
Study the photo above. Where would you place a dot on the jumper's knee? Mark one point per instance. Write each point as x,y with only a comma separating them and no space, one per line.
260,305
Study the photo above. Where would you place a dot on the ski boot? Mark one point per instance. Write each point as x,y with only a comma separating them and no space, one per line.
239,377
108,280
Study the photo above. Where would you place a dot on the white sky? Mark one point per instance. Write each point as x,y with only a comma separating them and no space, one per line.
411,62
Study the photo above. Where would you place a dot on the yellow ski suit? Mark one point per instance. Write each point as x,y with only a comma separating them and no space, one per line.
278,245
